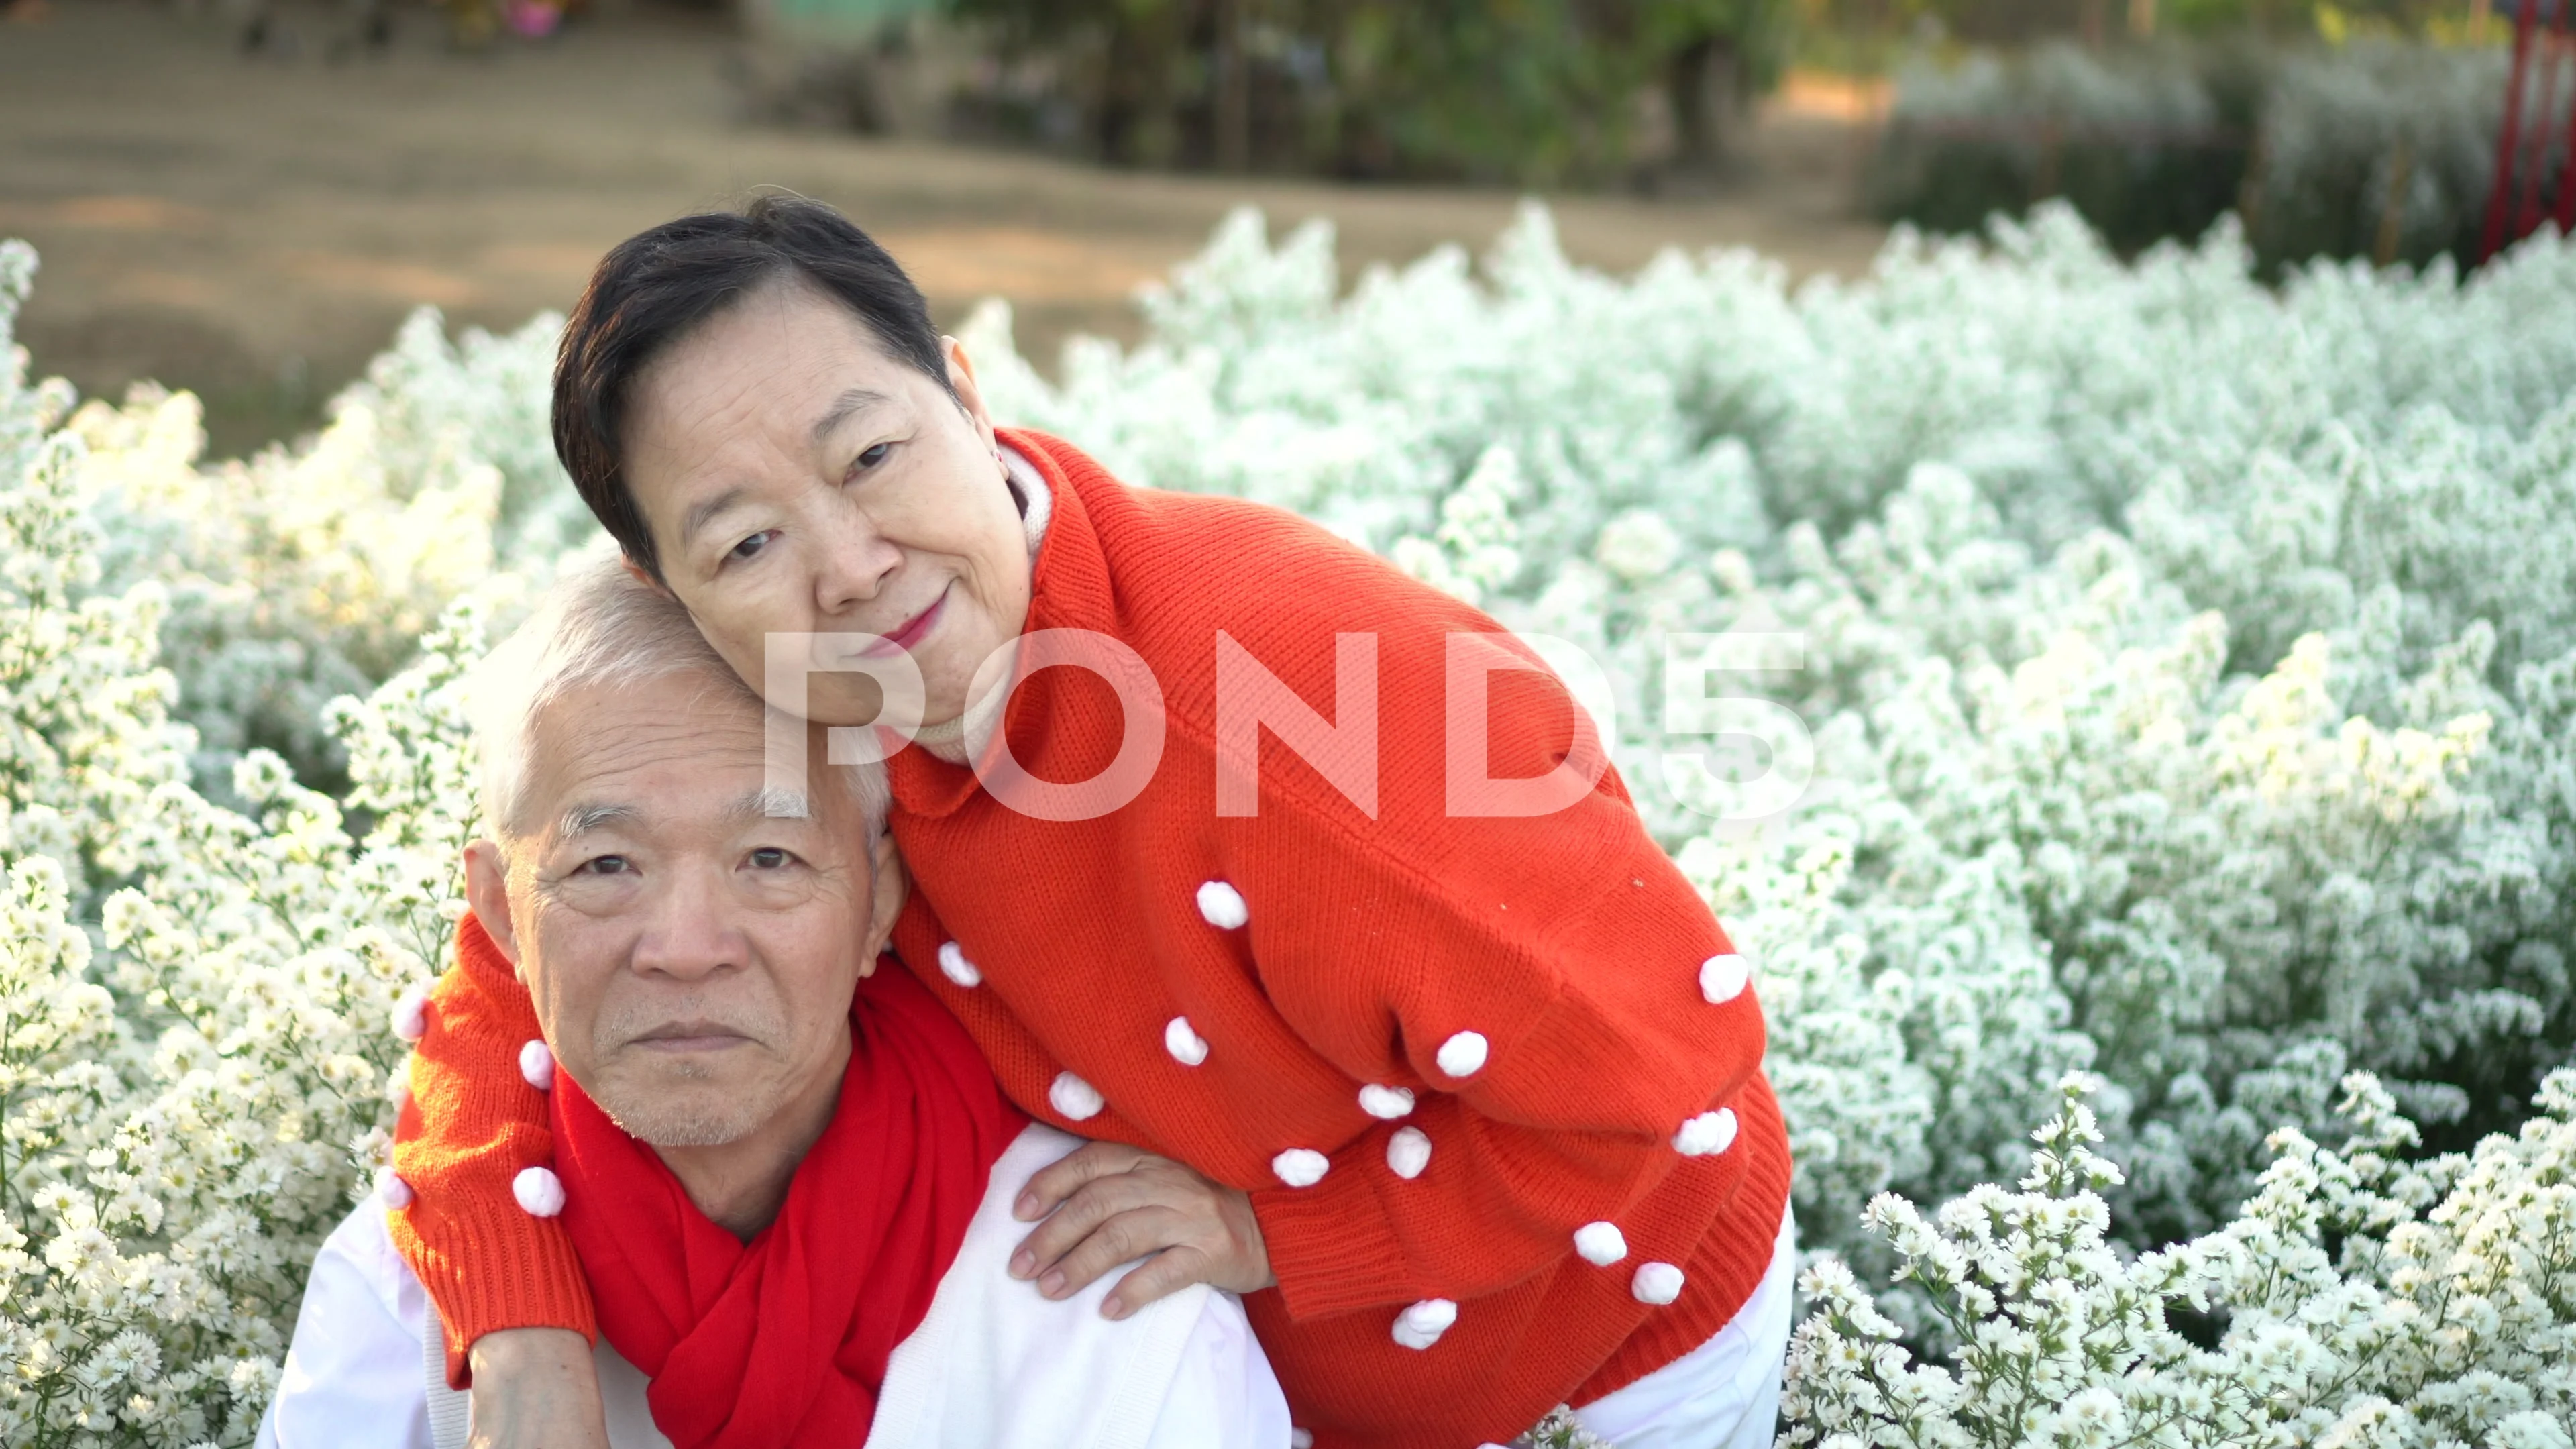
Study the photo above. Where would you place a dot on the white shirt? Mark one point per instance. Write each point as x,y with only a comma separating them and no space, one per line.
992,1366
1724,1394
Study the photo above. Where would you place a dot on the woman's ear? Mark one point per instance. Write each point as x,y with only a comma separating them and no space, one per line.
644,576
970,398
889,885
487,890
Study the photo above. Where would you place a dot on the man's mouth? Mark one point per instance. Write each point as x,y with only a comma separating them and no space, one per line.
910,632
690,1036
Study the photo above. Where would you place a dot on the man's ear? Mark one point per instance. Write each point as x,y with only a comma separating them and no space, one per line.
487,890
889,885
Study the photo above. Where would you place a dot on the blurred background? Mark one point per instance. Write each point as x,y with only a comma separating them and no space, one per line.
243,197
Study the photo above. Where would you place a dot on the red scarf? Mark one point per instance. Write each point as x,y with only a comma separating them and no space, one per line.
781,1343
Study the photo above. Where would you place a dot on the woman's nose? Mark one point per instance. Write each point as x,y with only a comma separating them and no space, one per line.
855,563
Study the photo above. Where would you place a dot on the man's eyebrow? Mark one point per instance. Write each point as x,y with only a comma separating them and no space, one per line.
582,819
772,803
706,511
855,400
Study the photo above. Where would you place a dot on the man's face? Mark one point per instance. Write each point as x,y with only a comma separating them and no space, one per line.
691,956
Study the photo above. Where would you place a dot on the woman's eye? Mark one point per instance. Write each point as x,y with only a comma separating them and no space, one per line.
753,544
769,857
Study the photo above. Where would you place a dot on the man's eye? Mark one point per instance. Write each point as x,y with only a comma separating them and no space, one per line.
770,857
871,458
753,544
604,865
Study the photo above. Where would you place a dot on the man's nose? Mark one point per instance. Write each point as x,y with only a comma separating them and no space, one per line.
688,935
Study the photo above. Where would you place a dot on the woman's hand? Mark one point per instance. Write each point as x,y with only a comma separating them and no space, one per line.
536,1388
1113,1204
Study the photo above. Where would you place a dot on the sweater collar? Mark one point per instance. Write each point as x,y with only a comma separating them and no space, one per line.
1069,588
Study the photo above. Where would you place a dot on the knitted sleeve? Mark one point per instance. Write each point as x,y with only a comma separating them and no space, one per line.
473,1123
1568,1022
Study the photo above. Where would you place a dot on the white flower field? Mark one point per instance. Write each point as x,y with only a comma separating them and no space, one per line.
2188,668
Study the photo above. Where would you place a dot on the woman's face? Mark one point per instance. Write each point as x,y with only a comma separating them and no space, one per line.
797,478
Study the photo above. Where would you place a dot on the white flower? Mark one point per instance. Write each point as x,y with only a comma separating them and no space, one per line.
2180,664
1637,546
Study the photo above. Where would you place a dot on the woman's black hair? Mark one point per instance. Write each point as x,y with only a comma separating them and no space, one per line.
657,286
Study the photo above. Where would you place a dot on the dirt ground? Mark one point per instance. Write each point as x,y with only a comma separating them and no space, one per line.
253,227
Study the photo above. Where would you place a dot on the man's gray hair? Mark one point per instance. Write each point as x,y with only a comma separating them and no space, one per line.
600,625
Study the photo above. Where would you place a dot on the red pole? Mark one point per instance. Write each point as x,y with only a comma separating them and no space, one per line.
2567,173
2527,220
2525,19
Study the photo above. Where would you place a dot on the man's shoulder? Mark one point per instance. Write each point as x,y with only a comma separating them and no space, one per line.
355,1373
362,1247
996,1363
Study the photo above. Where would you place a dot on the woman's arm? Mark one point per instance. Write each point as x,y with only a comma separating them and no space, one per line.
472,1124
1540,979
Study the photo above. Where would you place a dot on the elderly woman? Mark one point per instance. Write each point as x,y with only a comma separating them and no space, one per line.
1399,1024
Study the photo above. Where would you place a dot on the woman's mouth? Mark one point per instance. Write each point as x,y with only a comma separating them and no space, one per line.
910,632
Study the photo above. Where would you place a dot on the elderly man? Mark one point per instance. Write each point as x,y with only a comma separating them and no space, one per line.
789,1178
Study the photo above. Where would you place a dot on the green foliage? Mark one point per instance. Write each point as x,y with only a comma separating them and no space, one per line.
1524,91
2375,148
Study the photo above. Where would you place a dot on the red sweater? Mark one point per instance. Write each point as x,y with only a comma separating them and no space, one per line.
1109,950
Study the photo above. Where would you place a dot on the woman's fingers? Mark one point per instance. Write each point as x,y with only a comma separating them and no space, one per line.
1059,1179
1190,1229
1122,1238
1079,1214
1159,1276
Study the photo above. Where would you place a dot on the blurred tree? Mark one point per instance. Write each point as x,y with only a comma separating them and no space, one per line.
1524,91
1145,68
1714,57
1532,91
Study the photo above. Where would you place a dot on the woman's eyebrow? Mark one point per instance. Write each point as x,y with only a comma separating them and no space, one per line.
706,511
855,400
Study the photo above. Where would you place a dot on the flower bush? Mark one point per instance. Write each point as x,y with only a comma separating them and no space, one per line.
194,1056
307,573
2187,669
2188,664
2369,148
2359,1299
